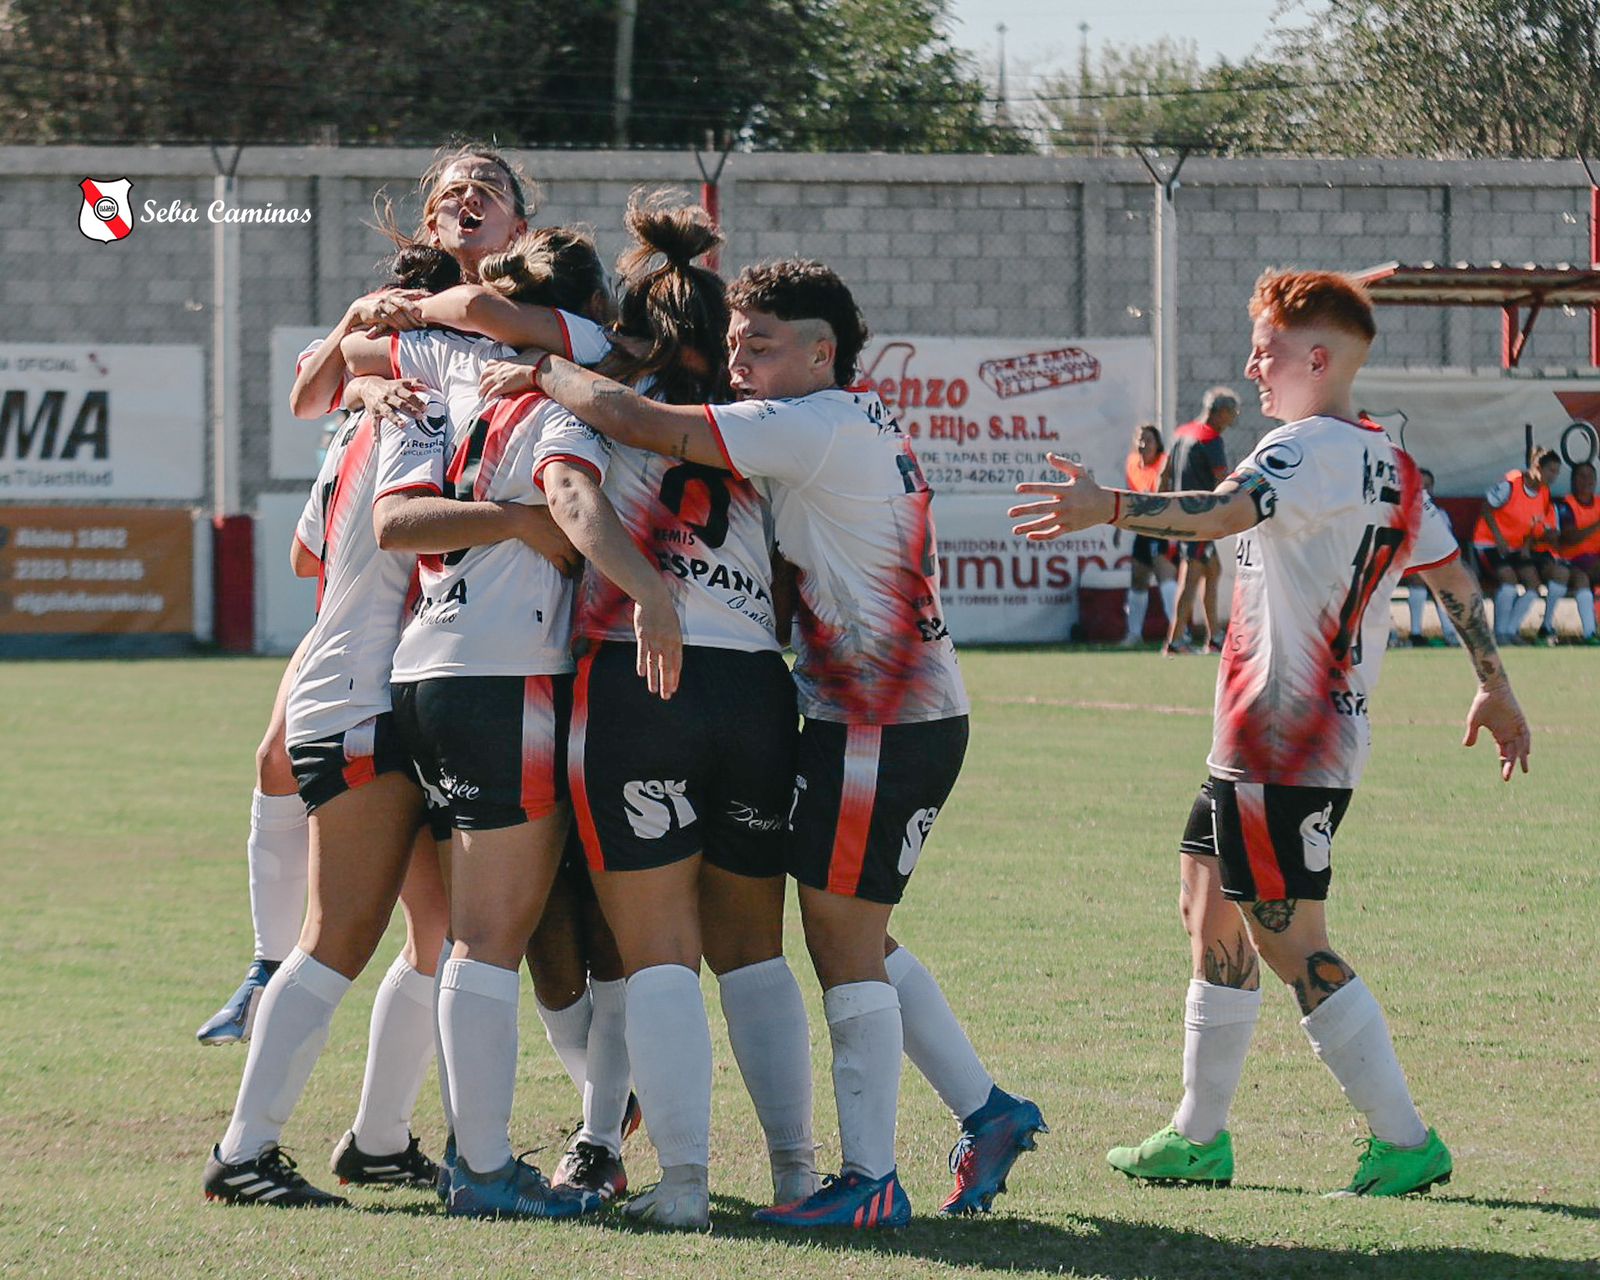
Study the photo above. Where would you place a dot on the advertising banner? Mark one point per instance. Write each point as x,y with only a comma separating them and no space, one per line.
96,571
99,422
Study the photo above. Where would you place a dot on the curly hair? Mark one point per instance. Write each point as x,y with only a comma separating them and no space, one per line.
678,308
1307,299
799,289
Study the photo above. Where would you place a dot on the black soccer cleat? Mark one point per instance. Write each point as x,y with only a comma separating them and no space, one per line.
268,1179
408,1168
587,1166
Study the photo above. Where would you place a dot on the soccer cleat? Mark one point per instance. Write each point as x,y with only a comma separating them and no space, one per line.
681,1199
991,1140
1387,1170
231,1023
587,1166
1170,1157
850,1200
515,1190
447,1168
632,1116
268,1179
408,1168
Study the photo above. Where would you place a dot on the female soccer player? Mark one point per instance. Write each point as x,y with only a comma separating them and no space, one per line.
1151,556
885,710
482,692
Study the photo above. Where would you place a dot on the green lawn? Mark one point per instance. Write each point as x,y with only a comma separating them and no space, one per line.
1046,904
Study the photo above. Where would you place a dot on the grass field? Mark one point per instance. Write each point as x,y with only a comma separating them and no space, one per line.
1046,904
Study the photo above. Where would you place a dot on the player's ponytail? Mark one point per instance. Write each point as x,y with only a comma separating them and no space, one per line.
667,301
549,267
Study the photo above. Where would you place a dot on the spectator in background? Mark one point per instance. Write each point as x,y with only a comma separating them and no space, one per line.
1152,557
1579,546
1199,462
1512,541
1417,593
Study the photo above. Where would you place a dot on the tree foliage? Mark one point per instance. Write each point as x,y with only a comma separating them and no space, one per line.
802,74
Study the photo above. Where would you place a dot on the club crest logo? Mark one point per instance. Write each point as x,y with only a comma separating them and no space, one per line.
1316,838
105,214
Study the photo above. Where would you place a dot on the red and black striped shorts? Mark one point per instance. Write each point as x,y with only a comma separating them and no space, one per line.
866,797
491,750
331,766
1275,842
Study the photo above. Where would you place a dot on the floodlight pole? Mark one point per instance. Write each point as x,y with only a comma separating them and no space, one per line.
710,186
1594,257
1164,308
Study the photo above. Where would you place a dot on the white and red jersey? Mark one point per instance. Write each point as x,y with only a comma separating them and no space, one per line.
852,511
708,532
495,610
1344,516
343,676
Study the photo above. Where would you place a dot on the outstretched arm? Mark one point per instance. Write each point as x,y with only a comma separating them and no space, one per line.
432,525
1494,707
1079,503
676,430
588,518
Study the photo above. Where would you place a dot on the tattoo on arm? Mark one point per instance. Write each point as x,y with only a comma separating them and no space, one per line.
1325,974
1143,512
1197,503
1275,915
1476,633
681,449
1232,967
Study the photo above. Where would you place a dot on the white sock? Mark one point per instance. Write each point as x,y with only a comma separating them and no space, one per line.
669,1044
278,851
567,1030
934,1039
291,1027
399,1049
1505,602
1349,1034
1169,598
1416,599
610,1078
1217,1025
864,1025
1585,600
438,1040
1553,591
1522,608
478,1022
772,1044
1138,607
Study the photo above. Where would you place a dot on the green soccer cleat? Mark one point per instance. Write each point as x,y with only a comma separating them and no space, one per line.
1170,1157
1387,1170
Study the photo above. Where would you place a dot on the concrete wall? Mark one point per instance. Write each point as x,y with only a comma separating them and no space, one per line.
931,244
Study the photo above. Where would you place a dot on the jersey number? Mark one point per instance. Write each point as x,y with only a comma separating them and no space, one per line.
1379,546
466,479
676,495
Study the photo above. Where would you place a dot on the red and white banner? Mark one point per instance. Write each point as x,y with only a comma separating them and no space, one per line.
1469,428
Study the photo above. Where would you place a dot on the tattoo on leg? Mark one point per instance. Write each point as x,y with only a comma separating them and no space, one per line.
1232,967
1275,915
1325,974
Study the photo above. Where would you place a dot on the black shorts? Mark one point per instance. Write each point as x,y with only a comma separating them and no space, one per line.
1491,560
1147,551
331,766
1201,551
1275,842
865,799
490,750
710,771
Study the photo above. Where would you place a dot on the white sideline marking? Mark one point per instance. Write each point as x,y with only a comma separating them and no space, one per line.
1077,704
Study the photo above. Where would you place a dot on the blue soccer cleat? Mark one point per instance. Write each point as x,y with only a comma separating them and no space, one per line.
447,1170
850,1200
515,1190
992,1138
231,1023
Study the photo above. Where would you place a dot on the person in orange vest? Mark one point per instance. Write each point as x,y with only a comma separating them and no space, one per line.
1152,557
1579,545
1512,542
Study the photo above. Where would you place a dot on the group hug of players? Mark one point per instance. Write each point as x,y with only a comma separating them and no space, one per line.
604,775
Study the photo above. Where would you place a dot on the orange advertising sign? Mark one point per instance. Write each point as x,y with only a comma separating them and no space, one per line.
96,571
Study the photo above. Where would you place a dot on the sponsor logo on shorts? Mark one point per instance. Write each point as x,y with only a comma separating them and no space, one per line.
1316,836
456,789
747,815
655,807
916,832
